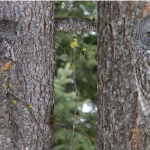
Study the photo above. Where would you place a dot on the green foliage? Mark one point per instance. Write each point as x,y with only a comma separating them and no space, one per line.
61,35
79,12
85,124
86,80
85,127
91,50
67,38
63,95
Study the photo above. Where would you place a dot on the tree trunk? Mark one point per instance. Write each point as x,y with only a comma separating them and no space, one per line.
119,114
27,75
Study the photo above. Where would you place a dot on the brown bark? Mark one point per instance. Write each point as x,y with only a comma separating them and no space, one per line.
31,76
119,112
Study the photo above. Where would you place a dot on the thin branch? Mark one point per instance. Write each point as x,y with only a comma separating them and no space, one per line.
81,39
63,49
68,128
73,76
80,59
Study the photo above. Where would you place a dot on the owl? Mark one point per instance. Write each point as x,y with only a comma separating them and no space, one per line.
10,31
142,74
142,65
8,34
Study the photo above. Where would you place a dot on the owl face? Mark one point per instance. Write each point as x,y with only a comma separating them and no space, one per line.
144,32
10,31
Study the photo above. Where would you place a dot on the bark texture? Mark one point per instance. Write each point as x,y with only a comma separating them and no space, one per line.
27,72
78,24
119,113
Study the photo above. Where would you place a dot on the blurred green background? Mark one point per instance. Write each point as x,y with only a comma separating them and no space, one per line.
86,80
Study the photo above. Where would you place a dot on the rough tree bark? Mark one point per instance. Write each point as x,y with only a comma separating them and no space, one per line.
79,24
120,119
27,75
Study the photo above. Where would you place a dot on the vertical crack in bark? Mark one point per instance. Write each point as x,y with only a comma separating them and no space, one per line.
30,21
111,28
124,28
22,141
112,120
129,48
118,9
3,146
131,6
136,138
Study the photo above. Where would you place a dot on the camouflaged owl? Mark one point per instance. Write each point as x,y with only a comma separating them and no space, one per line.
142,65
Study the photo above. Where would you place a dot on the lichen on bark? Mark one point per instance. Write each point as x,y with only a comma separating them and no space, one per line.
31,74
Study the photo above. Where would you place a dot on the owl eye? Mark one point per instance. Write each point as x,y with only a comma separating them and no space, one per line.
15,32
148,33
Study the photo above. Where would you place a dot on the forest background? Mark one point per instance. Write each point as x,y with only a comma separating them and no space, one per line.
86,80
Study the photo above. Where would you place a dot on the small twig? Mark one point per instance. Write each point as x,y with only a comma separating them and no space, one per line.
76,93
73,76
80,59
92,57
63,50
86,46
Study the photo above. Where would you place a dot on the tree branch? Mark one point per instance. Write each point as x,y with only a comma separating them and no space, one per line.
68,128
79,24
